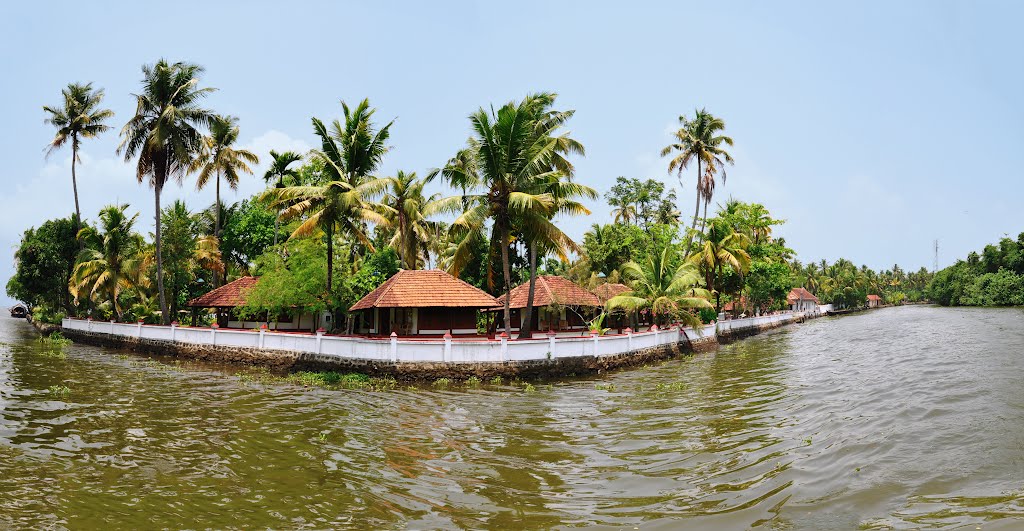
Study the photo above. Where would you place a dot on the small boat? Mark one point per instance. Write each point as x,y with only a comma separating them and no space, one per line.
19,312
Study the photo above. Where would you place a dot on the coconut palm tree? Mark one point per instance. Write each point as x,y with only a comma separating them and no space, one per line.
111,260
80,116
512,152
669,293
407,210
163,135
721,247
624,214
279,173
351,151
700,140
219,158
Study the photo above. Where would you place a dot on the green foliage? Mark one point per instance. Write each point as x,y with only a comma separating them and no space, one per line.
376,268
608,247
993,278
768,283
45,314
44,261
642,203
292,284
248,232
55,339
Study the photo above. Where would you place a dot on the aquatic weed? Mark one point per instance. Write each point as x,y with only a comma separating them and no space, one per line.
496,380
61,390
473,382
605,387
55,339
529,388
442,382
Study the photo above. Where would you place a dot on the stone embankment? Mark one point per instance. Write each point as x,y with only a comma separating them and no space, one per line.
420,359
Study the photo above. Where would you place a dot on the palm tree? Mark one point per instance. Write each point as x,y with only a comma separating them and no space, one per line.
163,136
624,213
543,237
279,173
219,158
350,152
699,139
79,117
722,247
111,260
666,291
511,154
407,210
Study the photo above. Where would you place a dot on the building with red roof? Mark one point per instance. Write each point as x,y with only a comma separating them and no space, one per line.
801,300
559,304
225,299
608,290
421,302
874,301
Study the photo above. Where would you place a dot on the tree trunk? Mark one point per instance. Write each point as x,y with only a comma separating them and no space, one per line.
704,220
277,223
74,188
216,232
526,324
506,271
696,213
330,258
165,317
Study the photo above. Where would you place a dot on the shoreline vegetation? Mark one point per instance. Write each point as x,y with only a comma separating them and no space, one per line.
994,277
329,227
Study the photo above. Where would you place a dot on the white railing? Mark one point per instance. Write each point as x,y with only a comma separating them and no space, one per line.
433,350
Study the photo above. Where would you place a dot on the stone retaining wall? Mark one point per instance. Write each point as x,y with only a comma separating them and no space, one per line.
283,360
288,361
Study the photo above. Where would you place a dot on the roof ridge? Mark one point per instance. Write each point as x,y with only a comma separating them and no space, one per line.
387,285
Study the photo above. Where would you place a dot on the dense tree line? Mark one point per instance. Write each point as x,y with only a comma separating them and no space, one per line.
993,278
329,227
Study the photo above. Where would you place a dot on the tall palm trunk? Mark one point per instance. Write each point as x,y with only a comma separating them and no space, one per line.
506,269
74,187
696,212
164,316
330,258
526,326
216,231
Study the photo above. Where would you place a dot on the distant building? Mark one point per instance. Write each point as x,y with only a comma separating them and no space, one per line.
874,301
801,300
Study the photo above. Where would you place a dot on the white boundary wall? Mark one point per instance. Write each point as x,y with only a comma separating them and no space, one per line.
433,350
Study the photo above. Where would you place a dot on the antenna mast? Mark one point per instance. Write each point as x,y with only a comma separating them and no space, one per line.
935,264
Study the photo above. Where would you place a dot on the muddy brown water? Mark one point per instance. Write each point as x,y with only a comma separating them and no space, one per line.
904,417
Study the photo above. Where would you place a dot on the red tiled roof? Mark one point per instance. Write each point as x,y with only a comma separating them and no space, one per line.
550,289
425,289
229,295
874,298
731,305
606,291
800,294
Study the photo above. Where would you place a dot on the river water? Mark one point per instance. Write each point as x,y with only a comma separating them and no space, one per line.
905,417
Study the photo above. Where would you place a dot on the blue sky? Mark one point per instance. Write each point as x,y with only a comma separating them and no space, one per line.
872,128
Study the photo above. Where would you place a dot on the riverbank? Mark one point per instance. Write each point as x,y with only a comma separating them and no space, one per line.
421,359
